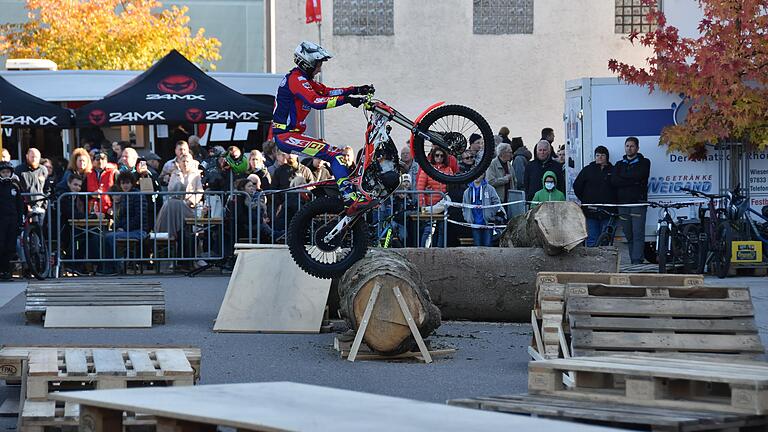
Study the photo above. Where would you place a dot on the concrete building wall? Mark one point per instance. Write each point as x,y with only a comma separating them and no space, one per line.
513,80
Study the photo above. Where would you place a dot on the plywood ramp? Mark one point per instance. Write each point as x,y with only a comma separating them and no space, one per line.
269,293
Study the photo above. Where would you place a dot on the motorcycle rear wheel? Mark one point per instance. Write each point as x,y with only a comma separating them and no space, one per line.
454,124
306,244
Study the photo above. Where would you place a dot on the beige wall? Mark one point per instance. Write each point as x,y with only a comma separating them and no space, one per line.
513,80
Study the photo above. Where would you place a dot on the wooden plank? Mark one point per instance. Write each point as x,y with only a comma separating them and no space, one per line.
44,363
260,299
141,363
94,419
173,362
689,325
293,406
666,307
109,362
71,411
613,278
38,410
658,367
615,414
98,317
75,362
660,341
681,292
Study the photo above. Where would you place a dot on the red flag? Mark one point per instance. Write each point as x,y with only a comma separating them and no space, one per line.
314,11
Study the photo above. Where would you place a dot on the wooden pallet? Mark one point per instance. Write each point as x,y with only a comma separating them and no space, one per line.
55,370
631,417
725,386
344,346
12,358
549,303
748,270
42,295
40,416
608,319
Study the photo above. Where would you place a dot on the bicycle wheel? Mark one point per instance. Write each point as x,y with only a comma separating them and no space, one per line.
721,254
36,252
690,247
662,248
326,260
453,124
605,239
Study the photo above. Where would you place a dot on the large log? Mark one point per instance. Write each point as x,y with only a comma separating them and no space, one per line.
497,284
388,331
556,226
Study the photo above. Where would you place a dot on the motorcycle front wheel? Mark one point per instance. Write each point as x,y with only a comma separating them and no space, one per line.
452,126
306,232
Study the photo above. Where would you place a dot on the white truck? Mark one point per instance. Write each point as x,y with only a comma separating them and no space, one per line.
605,111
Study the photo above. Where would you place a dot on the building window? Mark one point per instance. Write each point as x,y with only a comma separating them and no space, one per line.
363,17
630,16
502,16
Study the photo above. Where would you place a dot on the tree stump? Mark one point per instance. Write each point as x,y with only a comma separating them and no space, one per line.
387,332
556,226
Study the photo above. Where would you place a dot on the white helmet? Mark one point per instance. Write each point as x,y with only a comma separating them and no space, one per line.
307,55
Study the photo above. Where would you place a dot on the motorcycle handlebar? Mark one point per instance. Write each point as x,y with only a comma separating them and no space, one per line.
701,194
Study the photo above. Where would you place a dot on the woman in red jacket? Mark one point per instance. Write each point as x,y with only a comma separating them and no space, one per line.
434,229
100,179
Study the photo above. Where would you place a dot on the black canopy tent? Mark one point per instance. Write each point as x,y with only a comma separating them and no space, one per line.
173,90
20,109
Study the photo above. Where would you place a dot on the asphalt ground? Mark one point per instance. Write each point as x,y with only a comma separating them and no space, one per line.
491,358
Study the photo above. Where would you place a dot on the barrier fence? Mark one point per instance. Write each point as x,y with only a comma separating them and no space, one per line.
107,232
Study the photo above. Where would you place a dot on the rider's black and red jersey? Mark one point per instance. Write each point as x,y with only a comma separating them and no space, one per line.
298,95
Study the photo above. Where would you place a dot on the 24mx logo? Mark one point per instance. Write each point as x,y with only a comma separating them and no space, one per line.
155,96
115,117
28,120
231,115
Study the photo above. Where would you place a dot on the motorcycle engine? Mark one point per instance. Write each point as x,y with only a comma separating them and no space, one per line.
383,174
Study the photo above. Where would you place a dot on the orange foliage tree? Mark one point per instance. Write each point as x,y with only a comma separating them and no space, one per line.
106,34
723,73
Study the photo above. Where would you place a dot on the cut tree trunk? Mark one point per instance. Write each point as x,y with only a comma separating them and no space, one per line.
556,226
497,284
387,331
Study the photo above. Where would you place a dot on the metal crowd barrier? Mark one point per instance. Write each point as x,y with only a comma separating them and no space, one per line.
81,234
409,216
204,226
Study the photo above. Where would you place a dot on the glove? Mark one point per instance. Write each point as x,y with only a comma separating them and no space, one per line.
363,90
355,101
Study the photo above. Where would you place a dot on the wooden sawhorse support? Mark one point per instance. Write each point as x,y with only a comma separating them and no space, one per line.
406,314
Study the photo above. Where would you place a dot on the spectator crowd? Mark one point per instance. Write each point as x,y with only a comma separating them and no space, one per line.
196,181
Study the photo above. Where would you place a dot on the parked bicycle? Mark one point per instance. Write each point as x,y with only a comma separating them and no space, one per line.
677,239
608,234
34,243
715,235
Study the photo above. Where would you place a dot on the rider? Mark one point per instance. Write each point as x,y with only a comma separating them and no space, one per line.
297,95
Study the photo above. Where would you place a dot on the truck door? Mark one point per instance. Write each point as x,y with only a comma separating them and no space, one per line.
574,141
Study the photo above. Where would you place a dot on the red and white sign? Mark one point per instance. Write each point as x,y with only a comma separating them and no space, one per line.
314,11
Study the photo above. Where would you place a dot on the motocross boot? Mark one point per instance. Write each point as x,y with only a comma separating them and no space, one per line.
354,201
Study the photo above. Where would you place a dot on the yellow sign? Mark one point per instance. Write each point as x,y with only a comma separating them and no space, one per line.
746,251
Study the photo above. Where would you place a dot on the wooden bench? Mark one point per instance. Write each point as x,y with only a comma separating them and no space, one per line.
40,296
631,417
702,384
285,406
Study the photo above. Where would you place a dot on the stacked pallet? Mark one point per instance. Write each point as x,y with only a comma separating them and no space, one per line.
41,296
548,315
47,370
690,320
617,415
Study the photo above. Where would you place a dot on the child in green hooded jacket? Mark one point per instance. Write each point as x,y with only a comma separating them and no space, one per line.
549,191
